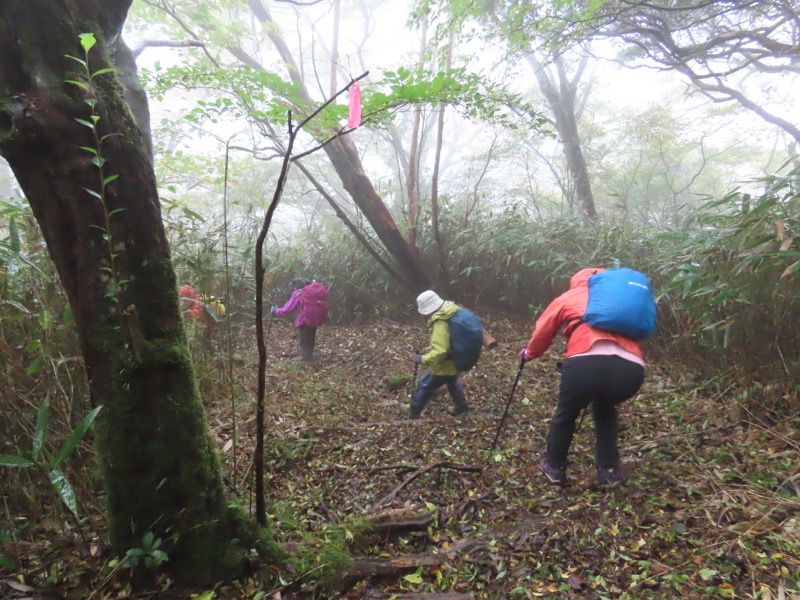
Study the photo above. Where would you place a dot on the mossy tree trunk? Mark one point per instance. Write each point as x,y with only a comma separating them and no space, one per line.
161,471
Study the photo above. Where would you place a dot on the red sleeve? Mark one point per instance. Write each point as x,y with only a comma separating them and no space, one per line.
570,304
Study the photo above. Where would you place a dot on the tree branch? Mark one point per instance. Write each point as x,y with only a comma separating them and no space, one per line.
166,44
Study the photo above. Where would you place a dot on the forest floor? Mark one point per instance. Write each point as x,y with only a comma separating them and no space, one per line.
709,510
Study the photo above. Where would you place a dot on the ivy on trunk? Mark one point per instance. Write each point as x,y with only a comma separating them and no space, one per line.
83,164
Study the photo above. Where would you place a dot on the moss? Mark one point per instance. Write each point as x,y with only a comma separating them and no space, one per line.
161,470
154,439
324,560
396,382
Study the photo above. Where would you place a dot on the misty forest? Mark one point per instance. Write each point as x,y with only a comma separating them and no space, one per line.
175,173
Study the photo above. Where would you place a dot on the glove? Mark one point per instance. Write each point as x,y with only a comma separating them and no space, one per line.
273,309
523,354
417,358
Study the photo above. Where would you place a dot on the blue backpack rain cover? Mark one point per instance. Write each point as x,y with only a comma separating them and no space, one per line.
466,339
621,301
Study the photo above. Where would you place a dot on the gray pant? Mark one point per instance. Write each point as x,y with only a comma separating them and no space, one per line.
429,384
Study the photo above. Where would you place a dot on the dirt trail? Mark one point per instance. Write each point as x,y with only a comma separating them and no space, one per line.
707,510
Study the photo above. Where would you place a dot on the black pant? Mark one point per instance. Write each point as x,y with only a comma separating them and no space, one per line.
600,380
308,336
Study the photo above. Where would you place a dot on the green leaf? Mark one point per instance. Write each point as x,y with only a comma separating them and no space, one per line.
85,123
679,528
88,149
87,41
67,317
37,364
41,429
415,577
18,306
64,489
707,574
75,437
160,556
15,461
147,540
191,214
101,71
108,180
80,84
13,235
45,319
93,193
77,60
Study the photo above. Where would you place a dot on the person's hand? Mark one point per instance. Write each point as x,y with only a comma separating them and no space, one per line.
417,358
273,309
523,354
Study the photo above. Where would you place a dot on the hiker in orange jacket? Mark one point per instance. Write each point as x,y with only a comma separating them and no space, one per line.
601,368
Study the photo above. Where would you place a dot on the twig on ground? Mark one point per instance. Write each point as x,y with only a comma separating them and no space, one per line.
421,471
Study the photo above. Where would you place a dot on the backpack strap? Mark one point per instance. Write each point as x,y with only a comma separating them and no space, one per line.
572,324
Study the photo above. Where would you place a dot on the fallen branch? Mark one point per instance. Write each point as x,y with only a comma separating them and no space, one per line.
419,596
399,520
421,471
457,510
400,467
386,567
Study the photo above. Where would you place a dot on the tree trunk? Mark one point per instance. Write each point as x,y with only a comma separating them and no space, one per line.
347,164
561,99
106,237
334,86
443,276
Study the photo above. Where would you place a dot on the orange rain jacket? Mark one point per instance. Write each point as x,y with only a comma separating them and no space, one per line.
572,305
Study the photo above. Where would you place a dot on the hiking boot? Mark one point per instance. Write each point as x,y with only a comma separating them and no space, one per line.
454,411
610,477
405,410
554,474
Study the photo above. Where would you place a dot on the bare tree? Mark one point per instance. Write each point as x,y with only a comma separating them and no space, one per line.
561,92
711,43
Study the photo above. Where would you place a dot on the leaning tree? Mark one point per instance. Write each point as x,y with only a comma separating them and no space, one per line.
83,163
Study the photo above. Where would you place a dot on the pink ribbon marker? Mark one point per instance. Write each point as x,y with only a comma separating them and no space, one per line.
354,113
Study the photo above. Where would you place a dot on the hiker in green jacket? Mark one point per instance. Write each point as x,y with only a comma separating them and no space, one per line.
442,370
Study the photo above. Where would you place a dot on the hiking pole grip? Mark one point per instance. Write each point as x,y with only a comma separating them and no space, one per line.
508,404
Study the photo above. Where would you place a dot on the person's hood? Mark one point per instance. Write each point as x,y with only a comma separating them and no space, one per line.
448,309
581,278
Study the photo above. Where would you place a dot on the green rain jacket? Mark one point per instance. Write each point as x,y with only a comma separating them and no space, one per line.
435,356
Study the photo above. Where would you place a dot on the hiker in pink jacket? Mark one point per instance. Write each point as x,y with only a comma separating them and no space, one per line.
309,302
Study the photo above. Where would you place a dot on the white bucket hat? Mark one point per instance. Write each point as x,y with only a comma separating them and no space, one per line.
428,302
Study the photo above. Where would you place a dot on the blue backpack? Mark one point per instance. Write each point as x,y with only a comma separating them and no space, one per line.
621,301
466,339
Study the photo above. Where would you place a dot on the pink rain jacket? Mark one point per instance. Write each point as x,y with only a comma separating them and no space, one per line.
295,302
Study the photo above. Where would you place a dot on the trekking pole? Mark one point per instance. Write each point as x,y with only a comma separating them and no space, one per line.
414,382
508,404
